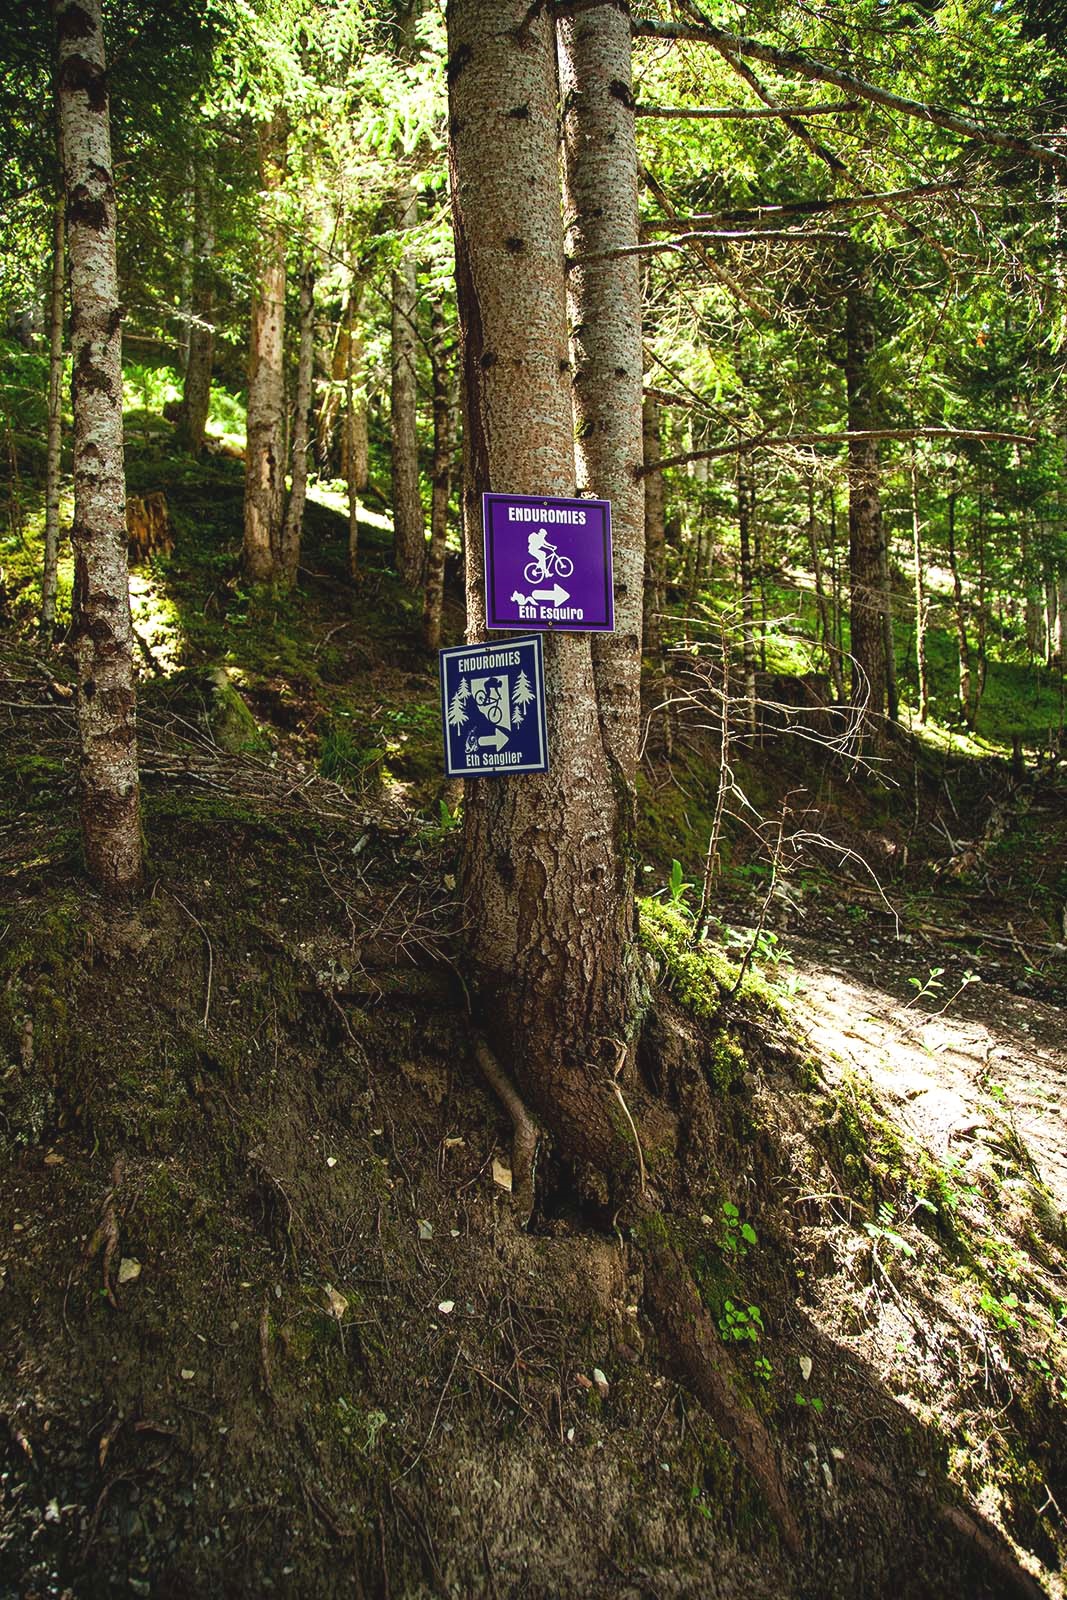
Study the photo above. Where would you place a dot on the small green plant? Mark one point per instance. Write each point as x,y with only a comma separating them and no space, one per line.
741,1322
737,1236
446,817
679,888
814,1404
1000,1311
762,1369
883,1229
926,989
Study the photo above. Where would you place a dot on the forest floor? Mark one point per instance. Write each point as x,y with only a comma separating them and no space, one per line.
267,1322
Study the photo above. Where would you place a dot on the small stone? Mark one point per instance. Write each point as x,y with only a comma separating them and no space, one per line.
501,1175
447,1307
601,1382
187,1374
331,1161
129,1269
805,1367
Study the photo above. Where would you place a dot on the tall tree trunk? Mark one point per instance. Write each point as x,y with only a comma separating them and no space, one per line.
49,576
196,396
103,633
293,526
920,596
888,645
604,307
655,532
748,607
444,444
356,445
264,454
335,397
409,530
959,613
186,265
826,621
545,942
865,529
547,945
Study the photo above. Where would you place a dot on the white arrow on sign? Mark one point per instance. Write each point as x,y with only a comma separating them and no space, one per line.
555,595
499,738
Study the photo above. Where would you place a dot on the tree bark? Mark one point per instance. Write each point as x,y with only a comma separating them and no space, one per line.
444,443
409,530
264,457
49,576
196,396
293,526
103,632
865,528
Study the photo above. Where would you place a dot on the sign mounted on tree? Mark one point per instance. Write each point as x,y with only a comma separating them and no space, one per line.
548,563
493,704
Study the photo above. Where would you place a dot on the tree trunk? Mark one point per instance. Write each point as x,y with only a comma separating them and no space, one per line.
920,597
545,944
959,613
103,633
409,531
293,526
264,457
865,530
826,621
748,610
547,947
356,450
444,443
604,307
889,648
186,266
655,532
49,576
196,396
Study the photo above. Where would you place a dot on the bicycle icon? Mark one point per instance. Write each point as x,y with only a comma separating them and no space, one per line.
549,564
488,697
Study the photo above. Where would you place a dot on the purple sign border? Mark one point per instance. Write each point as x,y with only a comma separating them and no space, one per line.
527,625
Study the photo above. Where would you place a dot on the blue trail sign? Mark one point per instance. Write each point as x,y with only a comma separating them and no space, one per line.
548,563
493,705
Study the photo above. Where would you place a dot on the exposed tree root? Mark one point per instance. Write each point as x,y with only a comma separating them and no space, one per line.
688,1337
525,1135
691,1343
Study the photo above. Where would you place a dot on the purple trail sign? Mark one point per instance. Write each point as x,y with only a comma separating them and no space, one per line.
548,563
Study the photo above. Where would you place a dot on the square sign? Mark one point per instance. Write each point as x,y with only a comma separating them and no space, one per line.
493,704
548,563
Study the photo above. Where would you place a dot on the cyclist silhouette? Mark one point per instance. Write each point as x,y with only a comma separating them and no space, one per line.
547,560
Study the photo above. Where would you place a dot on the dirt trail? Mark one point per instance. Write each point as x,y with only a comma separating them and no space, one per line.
964,1066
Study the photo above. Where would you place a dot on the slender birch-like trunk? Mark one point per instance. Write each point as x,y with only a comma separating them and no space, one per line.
826,621
356,443
748,606
49,576
655,532
264,453
921,607
865,527
293,526
444,443
103,633
196,396
409,527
